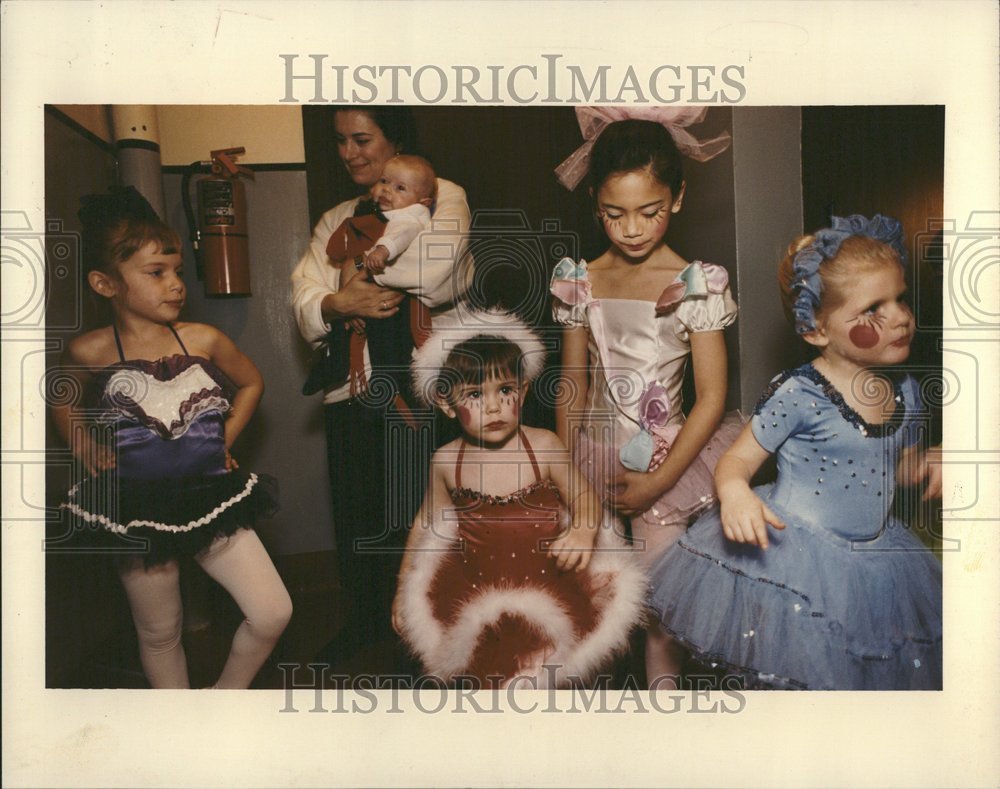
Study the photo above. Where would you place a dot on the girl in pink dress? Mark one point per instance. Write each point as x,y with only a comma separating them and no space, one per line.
633,317
509,573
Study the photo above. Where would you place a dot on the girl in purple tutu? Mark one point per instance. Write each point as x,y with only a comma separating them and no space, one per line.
167,400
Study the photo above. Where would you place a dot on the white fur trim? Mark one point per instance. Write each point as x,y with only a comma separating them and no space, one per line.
446,650
462,325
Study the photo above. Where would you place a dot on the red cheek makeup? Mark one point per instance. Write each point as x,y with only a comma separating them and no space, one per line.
864,336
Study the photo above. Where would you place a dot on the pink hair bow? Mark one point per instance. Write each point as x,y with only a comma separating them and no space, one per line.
593,120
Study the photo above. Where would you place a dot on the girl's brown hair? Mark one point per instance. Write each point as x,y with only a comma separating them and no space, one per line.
117,225
477,360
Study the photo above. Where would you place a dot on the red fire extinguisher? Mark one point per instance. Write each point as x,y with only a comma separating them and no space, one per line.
220,237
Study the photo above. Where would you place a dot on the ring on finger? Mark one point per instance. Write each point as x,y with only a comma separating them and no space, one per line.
383,305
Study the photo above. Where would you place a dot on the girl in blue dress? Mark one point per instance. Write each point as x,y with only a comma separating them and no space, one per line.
170,397
809,582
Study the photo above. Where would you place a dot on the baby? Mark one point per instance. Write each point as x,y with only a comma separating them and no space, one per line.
383,227
404,195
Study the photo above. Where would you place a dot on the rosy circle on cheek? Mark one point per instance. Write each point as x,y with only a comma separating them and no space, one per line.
864,337
464,415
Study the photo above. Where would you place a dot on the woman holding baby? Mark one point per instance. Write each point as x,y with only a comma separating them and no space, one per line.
373,317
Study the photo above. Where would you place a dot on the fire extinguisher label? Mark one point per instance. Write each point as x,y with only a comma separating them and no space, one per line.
217,203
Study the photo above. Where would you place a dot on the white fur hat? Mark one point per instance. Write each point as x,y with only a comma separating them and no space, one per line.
461,325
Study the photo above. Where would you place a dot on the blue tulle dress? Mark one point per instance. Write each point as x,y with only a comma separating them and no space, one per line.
845,597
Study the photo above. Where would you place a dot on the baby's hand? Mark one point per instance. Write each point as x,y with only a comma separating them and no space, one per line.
915,466
376,259
231,463
572,550
745,517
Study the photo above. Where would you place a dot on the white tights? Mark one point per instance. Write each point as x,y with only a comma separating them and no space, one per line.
664,656
241,565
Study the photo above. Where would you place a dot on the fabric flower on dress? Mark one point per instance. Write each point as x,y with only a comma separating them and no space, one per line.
806,283
648,448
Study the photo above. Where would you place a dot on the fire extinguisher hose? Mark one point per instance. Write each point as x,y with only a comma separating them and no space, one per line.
193,232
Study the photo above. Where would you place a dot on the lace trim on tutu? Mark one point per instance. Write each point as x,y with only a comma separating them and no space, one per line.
868,429
153,522
119,528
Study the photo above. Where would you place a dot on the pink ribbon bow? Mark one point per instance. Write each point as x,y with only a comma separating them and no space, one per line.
593,120
698,279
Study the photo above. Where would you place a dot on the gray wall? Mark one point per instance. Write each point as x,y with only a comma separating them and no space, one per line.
767,172
286,436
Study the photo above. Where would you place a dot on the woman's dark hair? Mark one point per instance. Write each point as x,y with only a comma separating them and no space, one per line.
119,224
636,145
477,360
396,123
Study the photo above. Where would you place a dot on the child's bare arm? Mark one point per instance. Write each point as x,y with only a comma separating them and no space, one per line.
574,381
96,457
573,549
431,512
744,515
240,370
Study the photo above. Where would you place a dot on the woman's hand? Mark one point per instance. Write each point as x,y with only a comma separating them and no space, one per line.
745,517
631,493
360,298
231,463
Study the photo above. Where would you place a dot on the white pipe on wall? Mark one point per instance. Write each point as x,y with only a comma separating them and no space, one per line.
137,147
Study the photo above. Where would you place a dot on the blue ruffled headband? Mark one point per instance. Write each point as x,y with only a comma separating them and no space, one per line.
806,283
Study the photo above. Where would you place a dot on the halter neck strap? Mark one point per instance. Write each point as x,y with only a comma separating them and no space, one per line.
178,338
121,350
118,342
527,449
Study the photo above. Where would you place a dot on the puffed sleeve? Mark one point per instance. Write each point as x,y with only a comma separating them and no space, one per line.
436,267
707,304
571,293
313,277
781,411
